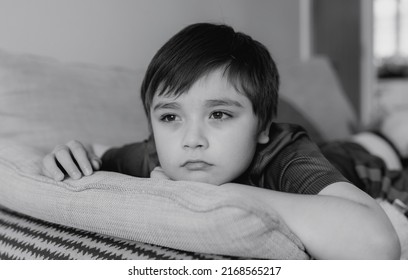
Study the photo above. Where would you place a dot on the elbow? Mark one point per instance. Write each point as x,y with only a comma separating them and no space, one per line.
378,239
391,247
385,245
382,241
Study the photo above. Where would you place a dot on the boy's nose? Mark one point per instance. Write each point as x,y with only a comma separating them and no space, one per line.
194,137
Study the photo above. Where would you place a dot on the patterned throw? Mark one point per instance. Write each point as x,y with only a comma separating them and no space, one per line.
23,237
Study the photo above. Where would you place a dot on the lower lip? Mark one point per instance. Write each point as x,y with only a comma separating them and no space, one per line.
197,166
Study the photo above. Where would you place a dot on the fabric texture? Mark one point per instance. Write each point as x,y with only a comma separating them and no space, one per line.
182,215
25,238
367,171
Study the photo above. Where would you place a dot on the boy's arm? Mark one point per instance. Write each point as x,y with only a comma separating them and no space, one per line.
342,222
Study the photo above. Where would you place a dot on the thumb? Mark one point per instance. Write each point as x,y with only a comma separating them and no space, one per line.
95,161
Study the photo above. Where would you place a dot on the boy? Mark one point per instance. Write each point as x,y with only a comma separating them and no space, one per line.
210,95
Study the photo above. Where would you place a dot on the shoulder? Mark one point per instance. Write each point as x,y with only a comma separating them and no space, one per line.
288,140
285,129
291,162
283,137
290,144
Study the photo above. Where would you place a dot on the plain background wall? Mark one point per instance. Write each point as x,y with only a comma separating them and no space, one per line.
337,34
129,32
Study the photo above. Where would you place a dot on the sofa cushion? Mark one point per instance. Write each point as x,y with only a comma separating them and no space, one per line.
44,102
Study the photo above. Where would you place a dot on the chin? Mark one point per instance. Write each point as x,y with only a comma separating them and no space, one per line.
203,179
210,181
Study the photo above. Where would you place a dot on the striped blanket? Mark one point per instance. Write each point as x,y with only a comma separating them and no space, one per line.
23,237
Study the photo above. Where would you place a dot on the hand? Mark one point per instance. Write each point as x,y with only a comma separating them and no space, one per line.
73,159
158,173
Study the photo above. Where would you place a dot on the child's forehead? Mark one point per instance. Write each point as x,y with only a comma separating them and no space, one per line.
215,82
213,86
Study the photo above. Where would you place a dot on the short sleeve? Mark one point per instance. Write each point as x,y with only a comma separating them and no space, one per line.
304,169
295,164
137,159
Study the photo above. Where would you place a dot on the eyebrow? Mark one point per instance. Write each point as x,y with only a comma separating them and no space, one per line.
209,103
166,105
223,102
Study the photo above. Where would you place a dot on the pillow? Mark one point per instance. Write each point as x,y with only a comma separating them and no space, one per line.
314,91
44,102
182,215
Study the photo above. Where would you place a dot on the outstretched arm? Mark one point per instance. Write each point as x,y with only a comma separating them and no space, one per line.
342,222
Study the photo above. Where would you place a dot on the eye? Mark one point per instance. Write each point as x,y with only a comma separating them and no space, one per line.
218,115
169,118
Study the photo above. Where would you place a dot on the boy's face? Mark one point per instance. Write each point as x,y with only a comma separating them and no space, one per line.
209,134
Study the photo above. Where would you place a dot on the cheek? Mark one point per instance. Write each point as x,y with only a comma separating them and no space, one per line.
237,147
164,144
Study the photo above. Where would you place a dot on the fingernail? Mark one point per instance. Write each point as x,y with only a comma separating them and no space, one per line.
76,175
96,164
87,171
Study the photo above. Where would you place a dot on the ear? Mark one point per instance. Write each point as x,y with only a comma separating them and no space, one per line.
263,135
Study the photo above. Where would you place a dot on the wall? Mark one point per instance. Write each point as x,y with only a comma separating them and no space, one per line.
128,32
337,35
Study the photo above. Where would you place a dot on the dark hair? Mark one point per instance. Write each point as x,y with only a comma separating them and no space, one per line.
202,48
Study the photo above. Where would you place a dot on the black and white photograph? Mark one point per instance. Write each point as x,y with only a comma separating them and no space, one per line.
234,131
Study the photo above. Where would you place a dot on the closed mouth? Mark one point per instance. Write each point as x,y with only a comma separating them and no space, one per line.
195,165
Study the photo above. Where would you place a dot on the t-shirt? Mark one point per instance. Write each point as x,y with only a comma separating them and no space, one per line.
289,162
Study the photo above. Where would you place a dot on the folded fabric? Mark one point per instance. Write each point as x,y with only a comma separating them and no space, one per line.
182,215
186,216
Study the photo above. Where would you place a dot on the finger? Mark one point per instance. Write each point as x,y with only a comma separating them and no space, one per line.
64,158
80,155
51,169
95,161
